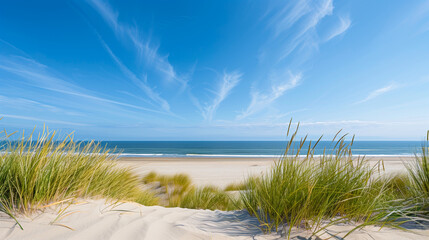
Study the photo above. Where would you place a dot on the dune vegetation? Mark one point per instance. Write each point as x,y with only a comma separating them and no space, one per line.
178,191
308,193
314,192
35,173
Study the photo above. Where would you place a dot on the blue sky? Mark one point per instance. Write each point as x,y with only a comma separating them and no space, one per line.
215,70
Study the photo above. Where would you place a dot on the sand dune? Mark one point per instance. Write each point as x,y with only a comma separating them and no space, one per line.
97,219
101,220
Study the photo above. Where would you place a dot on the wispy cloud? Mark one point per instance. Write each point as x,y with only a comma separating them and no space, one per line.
39,75
228,82
110,16
344,24
32,104
42,120
260,101
319,11
304,123
141,83
335,123
378,92
302,15
288,15
143,47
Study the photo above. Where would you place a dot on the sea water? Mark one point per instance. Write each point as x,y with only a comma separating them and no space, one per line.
252,148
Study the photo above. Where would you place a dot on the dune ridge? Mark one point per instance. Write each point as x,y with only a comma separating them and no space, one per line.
101,219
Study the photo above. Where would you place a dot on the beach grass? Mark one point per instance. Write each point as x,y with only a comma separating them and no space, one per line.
38,172
235,187
419,172
179,191
399,185
209,197
312,192
417,206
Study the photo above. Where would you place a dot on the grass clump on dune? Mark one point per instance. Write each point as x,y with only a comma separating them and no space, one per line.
398,185
419,172
178,191
419,178
306,192
170,188
36,173
235,187
208,197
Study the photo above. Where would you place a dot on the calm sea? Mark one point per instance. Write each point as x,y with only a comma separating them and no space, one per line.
250,148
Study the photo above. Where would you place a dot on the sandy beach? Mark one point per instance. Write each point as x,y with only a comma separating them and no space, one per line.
98,219
223,171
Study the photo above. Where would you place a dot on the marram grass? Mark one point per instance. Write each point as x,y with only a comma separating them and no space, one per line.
418,172
208,197
308,192
178,191
36,173
235,187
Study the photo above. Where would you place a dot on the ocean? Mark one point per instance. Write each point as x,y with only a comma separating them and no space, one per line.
250,148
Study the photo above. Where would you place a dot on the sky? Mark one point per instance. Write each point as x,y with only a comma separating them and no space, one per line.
215,70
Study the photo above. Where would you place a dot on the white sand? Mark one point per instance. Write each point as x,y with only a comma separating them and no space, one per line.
96,219
99,220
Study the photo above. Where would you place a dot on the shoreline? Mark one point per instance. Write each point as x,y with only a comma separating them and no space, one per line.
162,155
244,159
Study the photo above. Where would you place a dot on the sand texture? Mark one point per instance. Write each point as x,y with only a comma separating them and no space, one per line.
97,219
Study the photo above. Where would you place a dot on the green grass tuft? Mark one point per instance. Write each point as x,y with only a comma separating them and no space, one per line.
398,185
307,192
36,173
178,191
417,206
235,187
419,173
150,177
208,197
147,198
